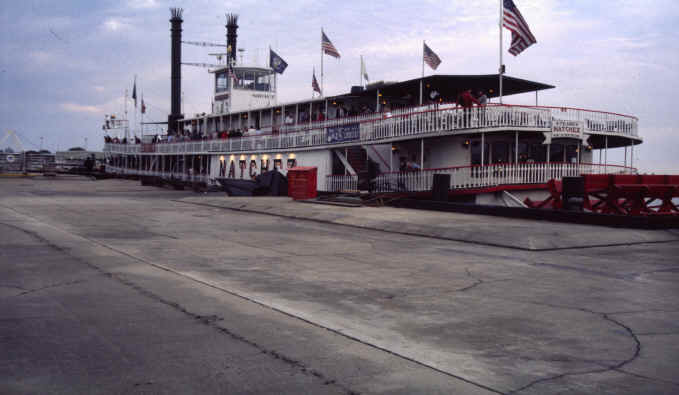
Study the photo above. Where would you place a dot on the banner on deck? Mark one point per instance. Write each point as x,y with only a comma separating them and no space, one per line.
562,129
340,134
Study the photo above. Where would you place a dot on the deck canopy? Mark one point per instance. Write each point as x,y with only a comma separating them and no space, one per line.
449,86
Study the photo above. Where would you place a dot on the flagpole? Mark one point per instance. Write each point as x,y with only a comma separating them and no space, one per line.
360,72
321,93
135,105
275,83
500,71
423,44
127,126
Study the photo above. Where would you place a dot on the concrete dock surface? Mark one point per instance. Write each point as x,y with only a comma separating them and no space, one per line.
113,287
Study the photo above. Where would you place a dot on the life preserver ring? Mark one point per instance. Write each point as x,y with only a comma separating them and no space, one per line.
10,158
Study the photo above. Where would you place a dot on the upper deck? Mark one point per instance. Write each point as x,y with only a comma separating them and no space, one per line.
599,128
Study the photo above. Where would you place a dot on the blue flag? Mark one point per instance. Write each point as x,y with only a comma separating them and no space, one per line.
276,62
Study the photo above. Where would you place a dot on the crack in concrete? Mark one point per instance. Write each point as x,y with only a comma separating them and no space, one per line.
477,282
658,333
606,368
55,285
649,378
12,286
584,271
642,311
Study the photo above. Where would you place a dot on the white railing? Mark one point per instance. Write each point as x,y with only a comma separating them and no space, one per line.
473,177
401,123
599,121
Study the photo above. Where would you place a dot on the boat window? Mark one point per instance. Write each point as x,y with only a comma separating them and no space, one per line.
476,153
556,153
571,153
263,82
500,152
246,79
221,82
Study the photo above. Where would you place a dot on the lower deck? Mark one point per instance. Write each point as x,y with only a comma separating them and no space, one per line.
516,159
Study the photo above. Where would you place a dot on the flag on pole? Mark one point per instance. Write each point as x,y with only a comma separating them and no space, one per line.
364,73
314,83
512,19
430,57
134,92
276,62
327,46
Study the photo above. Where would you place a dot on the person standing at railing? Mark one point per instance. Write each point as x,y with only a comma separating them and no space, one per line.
412,165
466,100
483,100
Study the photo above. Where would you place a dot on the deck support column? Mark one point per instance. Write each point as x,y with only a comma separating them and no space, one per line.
631,161
391,158
483,148
516,147
346,155
421,154
606,156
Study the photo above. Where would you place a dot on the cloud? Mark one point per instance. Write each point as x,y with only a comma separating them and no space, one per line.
40,57
115,24
79,108
141,4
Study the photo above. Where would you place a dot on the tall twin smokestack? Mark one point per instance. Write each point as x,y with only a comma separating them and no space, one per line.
176,67
176,71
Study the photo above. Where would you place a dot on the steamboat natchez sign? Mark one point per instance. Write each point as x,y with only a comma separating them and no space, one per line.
562,129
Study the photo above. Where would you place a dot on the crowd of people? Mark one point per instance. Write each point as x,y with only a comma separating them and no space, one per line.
466,99
116,140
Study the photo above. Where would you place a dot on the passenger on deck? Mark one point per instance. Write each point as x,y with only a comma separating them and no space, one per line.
412,164
466,100
482,98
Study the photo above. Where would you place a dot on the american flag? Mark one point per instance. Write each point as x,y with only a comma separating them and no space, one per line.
327,46
512,19
431,58
314,83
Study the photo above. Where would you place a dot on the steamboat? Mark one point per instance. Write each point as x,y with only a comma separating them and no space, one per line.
386,137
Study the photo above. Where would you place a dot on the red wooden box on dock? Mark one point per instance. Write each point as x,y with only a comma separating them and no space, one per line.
302,182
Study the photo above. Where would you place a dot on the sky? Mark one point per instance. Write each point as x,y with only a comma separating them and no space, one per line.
64,65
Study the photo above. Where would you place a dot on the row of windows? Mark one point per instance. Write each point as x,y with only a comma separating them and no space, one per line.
504,152
245,79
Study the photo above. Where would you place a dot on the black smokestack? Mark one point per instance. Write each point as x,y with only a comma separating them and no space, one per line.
175,111
231,27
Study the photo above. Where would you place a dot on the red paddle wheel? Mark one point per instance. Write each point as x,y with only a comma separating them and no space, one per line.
621,194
